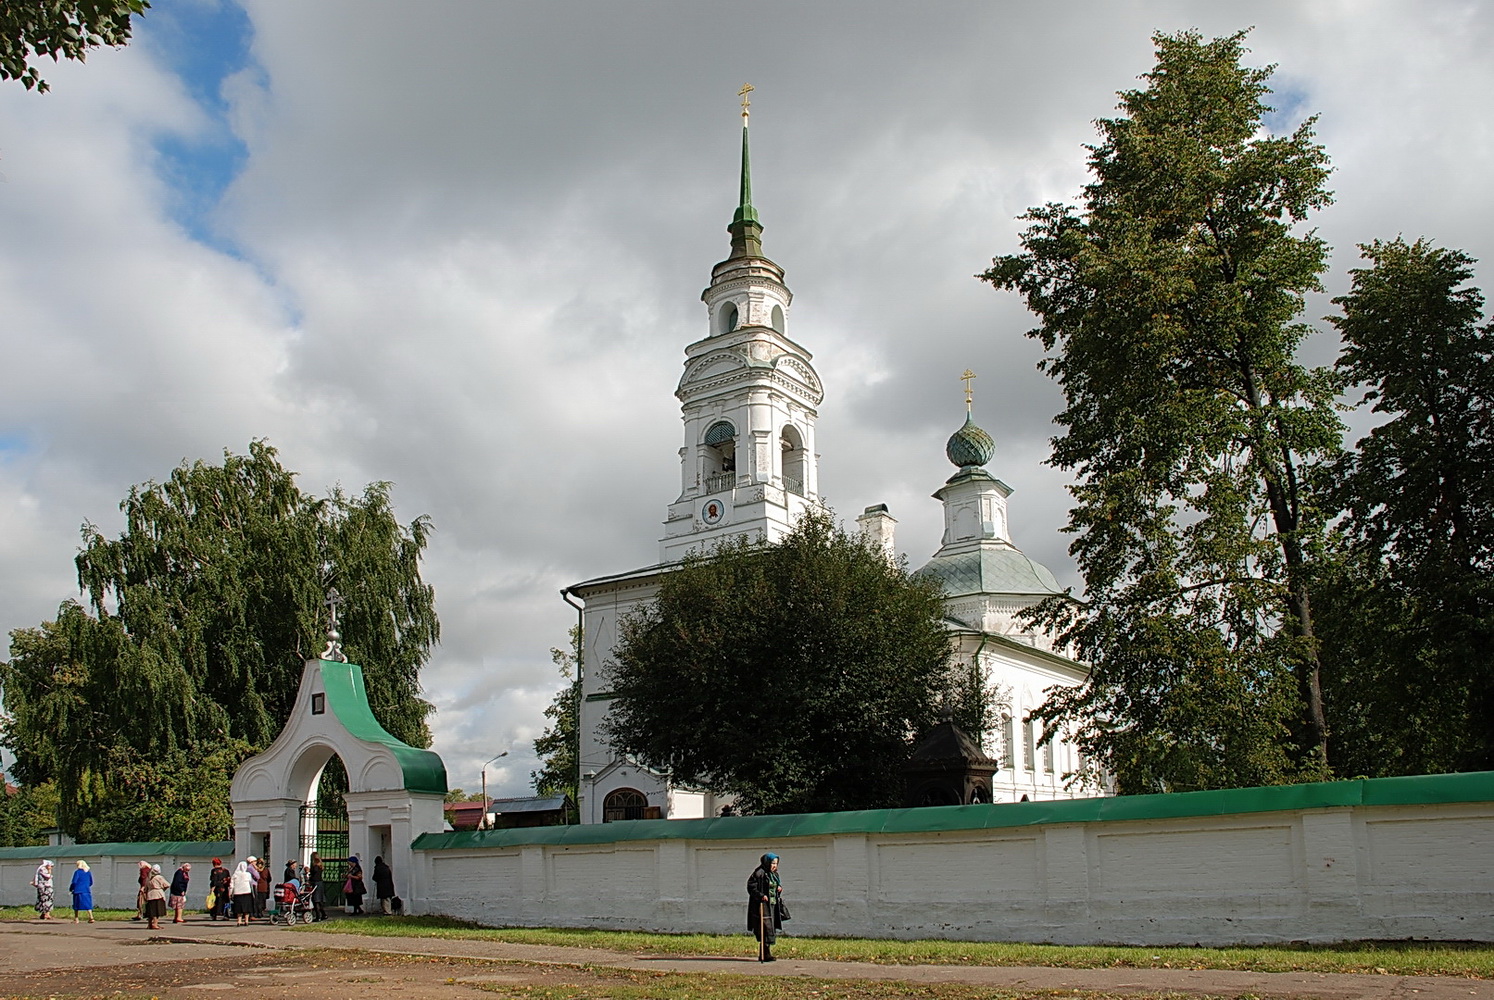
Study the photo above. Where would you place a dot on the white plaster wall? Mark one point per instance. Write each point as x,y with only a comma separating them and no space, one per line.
115,878
1369,872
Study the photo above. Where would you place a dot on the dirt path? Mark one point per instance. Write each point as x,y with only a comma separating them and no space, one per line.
200,957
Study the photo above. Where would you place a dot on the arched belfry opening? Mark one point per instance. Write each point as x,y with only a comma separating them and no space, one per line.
795,459
719,471
335,782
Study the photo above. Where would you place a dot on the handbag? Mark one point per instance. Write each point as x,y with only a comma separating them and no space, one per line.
347,887
212,899
782,914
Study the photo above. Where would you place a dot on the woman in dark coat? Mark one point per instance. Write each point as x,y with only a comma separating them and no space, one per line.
765,893
383,884
218,879
315,888
353,888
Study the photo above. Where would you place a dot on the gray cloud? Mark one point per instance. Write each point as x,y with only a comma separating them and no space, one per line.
471,238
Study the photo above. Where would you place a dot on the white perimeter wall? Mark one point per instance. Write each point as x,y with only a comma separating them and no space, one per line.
1360,872
116,879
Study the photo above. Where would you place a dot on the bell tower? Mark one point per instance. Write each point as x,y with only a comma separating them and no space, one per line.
748,398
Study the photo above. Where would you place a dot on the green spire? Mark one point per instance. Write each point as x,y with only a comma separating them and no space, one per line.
746,231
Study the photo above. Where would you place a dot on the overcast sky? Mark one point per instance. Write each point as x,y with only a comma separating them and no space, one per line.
460,246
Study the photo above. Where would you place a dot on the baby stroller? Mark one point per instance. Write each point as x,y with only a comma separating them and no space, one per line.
291,905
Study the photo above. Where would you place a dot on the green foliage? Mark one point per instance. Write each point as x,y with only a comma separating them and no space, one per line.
559,747
1407,607
1169,308
460,795
62,29
200,615
796,676
26,816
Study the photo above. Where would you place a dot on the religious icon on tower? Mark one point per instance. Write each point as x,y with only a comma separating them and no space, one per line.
713,512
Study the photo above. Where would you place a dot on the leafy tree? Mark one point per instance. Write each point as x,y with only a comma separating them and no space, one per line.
1169,308
1409,604
199,617
456,795
559,747
27,815
796,676
62,29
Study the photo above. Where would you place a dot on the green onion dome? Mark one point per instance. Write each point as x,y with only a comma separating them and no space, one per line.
970,446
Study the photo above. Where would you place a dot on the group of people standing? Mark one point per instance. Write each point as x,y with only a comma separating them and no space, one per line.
81,888
246,889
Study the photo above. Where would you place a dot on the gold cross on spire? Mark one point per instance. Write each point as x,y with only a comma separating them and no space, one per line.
747,88
967,378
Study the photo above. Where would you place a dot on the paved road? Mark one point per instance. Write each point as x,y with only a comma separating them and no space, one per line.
36,946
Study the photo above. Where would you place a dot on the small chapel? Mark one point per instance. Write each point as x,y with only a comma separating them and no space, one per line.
749,397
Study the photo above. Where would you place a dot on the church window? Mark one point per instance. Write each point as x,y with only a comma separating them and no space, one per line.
720,470
794,460
778,318
623,803
1008,742
1029,755
729,317
1048,756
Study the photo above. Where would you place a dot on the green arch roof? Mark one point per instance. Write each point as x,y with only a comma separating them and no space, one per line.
347,699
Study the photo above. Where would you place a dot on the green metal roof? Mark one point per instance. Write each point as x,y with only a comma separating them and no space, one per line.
991,569
1423,789
348,700
145,849
969,446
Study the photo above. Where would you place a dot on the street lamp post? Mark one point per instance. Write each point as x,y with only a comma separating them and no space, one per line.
482,824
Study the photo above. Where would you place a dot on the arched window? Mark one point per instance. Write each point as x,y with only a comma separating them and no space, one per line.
728,317
1008,742
778,318
793,460
720,470
623,803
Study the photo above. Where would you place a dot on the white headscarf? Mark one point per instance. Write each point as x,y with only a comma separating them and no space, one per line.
155,869
243,867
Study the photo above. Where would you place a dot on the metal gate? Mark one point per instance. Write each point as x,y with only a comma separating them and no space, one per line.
325,831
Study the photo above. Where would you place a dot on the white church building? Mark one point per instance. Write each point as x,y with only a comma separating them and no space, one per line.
749,397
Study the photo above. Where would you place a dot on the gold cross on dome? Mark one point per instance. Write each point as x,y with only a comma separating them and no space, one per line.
967,378
747,88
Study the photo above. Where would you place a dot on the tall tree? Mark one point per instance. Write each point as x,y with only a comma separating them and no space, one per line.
796,676
62,29
199,617
1409,606
1169,308
559,747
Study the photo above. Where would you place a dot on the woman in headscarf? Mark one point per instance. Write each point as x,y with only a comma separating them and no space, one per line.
82,889
155,898
241,887
383,884
353,888
218,879
179,883
765,906
43,883
314,886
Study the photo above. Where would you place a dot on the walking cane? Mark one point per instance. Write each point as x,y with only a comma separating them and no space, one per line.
762,930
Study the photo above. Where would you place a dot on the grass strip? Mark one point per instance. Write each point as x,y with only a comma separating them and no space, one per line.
618,984
61,913
1399,958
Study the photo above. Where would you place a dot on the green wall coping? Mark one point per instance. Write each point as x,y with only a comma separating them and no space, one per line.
348,700
142,850
1424,789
